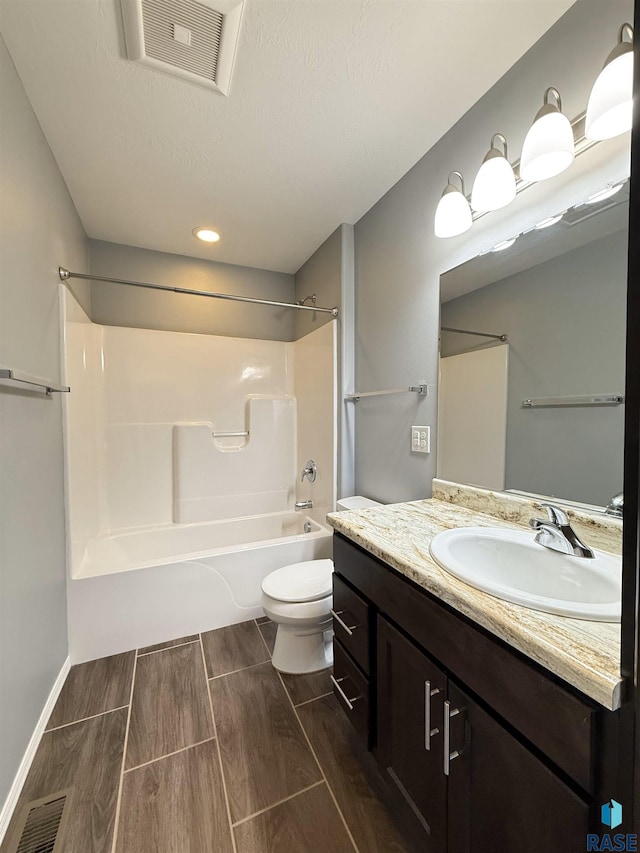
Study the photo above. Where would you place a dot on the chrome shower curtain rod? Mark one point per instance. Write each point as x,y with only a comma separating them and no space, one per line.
65,275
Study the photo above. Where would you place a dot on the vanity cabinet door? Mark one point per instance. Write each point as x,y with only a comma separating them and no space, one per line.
501,797
410,692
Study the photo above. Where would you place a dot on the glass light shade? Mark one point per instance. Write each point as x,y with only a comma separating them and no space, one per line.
548,147
505,244
495,183
453,214
550,220
604,194
610,107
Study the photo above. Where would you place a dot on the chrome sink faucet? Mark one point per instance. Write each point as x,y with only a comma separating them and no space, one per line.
556,533
616,505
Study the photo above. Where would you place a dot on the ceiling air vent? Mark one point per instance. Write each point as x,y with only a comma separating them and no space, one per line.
193,40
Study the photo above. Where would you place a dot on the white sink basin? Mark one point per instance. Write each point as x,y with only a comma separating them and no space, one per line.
511,565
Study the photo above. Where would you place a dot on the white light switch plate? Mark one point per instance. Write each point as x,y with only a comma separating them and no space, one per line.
421,439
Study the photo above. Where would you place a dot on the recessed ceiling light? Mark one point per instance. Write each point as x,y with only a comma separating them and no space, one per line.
207,235
551,220
607,192
506,244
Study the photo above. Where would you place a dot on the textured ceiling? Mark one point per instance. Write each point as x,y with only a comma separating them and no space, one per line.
331,102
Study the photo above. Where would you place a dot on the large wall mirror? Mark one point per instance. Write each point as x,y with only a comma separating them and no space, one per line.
532,358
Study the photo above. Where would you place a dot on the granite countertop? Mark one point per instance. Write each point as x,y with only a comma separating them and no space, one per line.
584,654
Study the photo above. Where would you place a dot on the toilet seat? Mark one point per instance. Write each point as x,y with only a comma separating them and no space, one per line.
300,582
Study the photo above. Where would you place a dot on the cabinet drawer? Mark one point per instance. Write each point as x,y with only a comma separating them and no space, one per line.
351,622
351,689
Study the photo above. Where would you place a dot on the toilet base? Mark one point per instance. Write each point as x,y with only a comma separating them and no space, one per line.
298,651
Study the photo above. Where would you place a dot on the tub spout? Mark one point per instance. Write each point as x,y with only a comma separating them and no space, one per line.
303,505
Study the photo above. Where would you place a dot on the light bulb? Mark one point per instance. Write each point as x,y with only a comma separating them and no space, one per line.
610,107
549,146
453,214
495,183
207,235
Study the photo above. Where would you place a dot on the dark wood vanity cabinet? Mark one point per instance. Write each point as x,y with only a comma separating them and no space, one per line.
467,776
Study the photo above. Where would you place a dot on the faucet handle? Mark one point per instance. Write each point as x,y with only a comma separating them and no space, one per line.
309,471
556,515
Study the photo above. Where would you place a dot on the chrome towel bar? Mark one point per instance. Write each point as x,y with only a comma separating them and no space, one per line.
567,402
36,383
229,434
422,389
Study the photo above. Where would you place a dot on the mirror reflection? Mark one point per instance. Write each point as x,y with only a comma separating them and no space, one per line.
532,358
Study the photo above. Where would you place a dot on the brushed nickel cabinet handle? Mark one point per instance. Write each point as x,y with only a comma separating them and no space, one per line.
346,627
428,731
449,712
336,683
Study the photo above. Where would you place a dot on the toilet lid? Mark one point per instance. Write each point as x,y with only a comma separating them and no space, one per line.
306,581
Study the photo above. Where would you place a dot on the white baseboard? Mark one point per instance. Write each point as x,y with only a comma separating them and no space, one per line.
25,765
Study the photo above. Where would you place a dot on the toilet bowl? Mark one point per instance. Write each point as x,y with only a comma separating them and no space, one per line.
298,598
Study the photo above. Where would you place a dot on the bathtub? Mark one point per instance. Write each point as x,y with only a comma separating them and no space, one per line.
137,587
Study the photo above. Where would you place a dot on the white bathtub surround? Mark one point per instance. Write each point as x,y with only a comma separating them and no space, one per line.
172,529
315,390
235,476
130,386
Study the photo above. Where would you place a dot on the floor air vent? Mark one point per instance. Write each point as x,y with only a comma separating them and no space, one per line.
193,40
41,825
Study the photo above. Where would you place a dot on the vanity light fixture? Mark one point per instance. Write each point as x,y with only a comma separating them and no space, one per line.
505,244
453,214
550,220
607,192
549,146
610,107
495,183
206,234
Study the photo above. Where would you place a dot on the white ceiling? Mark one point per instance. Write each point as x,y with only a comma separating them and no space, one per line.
331,102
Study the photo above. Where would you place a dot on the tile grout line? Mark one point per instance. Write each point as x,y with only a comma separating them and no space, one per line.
315,699
234,671
116,821
279,803
165,649
217,740
169,754
313,752
84,719
264,641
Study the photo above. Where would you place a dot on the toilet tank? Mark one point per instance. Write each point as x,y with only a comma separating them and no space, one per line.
355,502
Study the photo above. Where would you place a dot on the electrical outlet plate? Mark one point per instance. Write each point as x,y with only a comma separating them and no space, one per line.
421,439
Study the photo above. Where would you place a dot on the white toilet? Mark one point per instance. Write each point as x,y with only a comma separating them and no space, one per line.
298,599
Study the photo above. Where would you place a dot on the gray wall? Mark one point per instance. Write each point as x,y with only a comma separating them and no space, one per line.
329,273
117,305
399,260
322,275
565,319
39,230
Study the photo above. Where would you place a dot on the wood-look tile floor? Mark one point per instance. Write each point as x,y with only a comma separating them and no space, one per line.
198,745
